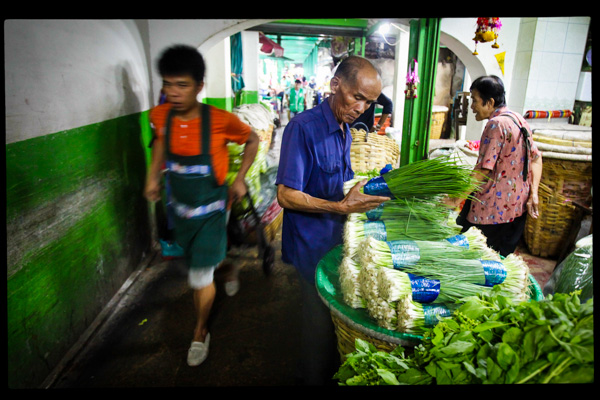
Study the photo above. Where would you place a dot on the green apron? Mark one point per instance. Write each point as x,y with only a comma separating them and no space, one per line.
199,203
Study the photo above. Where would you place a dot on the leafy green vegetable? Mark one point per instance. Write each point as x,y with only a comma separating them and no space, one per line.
489,340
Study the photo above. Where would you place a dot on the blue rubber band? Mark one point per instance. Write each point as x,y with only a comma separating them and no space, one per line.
424,290
404,252
494,271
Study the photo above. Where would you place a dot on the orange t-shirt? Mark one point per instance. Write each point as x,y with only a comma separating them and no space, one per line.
185,135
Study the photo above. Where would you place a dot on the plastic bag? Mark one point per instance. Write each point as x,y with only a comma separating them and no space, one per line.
575,272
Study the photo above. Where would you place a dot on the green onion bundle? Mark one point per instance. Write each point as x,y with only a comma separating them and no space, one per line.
348,274
413,253
414,218
424,178
416,318
511,274
393,284
357,229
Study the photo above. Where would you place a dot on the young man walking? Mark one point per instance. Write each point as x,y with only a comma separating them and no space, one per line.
191,138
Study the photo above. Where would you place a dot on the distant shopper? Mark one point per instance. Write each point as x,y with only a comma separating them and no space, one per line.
297,99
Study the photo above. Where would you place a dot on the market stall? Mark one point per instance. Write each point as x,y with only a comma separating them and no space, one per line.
406,263
415,301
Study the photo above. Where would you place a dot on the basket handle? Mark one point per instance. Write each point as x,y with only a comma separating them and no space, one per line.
366,129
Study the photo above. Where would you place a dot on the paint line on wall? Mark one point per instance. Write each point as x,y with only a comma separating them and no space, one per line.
31,232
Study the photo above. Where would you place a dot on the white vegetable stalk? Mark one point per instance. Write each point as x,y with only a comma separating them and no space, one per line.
348,272
385,313
382,311
412,316
393,284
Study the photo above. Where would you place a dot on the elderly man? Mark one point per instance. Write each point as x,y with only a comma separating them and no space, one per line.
314,164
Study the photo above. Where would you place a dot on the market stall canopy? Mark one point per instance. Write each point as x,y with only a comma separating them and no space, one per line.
269,47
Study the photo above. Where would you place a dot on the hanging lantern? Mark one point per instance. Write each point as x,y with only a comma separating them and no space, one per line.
487,31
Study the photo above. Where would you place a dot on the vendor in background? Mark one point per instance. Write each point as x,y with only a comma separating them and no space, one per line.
313,166
368,117
512,164
297,99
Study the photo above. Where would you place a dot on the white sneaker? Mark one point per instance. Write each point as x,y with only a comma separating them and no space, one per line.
232,287
198,352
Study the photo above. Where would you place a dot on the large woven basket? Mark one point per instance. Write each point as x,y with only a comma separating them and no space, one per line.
372,151
563,181
438,117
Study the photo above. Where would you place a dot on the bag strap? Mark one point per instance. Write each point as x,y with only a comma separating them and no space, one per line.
526,144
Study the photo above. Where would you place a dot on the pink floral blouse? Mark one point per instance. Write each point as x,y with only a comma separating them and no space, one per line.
504,196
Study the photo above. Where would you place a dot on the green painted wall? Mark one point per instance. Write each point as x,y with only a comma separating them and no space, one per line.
77,227
246,97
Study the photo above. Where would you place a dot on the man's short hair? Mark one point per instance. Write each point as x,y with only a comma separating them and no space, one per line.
182,60
348,69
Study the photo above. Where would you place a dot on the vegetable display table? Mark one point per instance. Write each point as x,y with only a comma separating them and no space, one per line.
352,323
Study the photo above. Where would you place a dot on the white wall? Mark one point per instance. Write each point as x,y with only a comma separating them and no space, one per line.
457,34
62,74
549,63
542,62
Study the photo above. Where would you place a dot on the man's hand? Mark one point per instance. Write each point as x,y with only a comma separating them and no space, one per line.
357,202
237,191
152,190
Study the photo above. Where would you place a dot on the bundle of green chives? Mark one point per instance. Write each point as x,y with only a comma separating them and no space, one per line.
511,276
348,275
357,229
404,253
429,177
415,318
413,218
393,284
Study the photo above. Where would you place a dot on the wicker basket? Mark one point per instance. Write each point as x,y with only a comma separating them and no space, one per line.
372,151
347,332
563,181
438,117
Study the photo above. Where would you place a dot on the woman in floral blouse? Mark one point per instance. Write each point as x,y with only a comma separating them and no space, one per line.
513,166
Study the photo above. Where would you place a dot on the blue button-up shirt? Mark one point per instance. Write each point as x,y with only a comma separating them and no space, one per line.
315,159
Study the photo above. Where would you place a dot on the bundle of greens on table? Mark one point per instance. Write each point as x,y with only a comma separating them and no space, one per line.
488,339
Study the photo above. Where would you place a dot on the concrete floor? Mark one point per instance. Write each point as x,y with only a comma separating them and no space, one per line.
254,334
144,340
